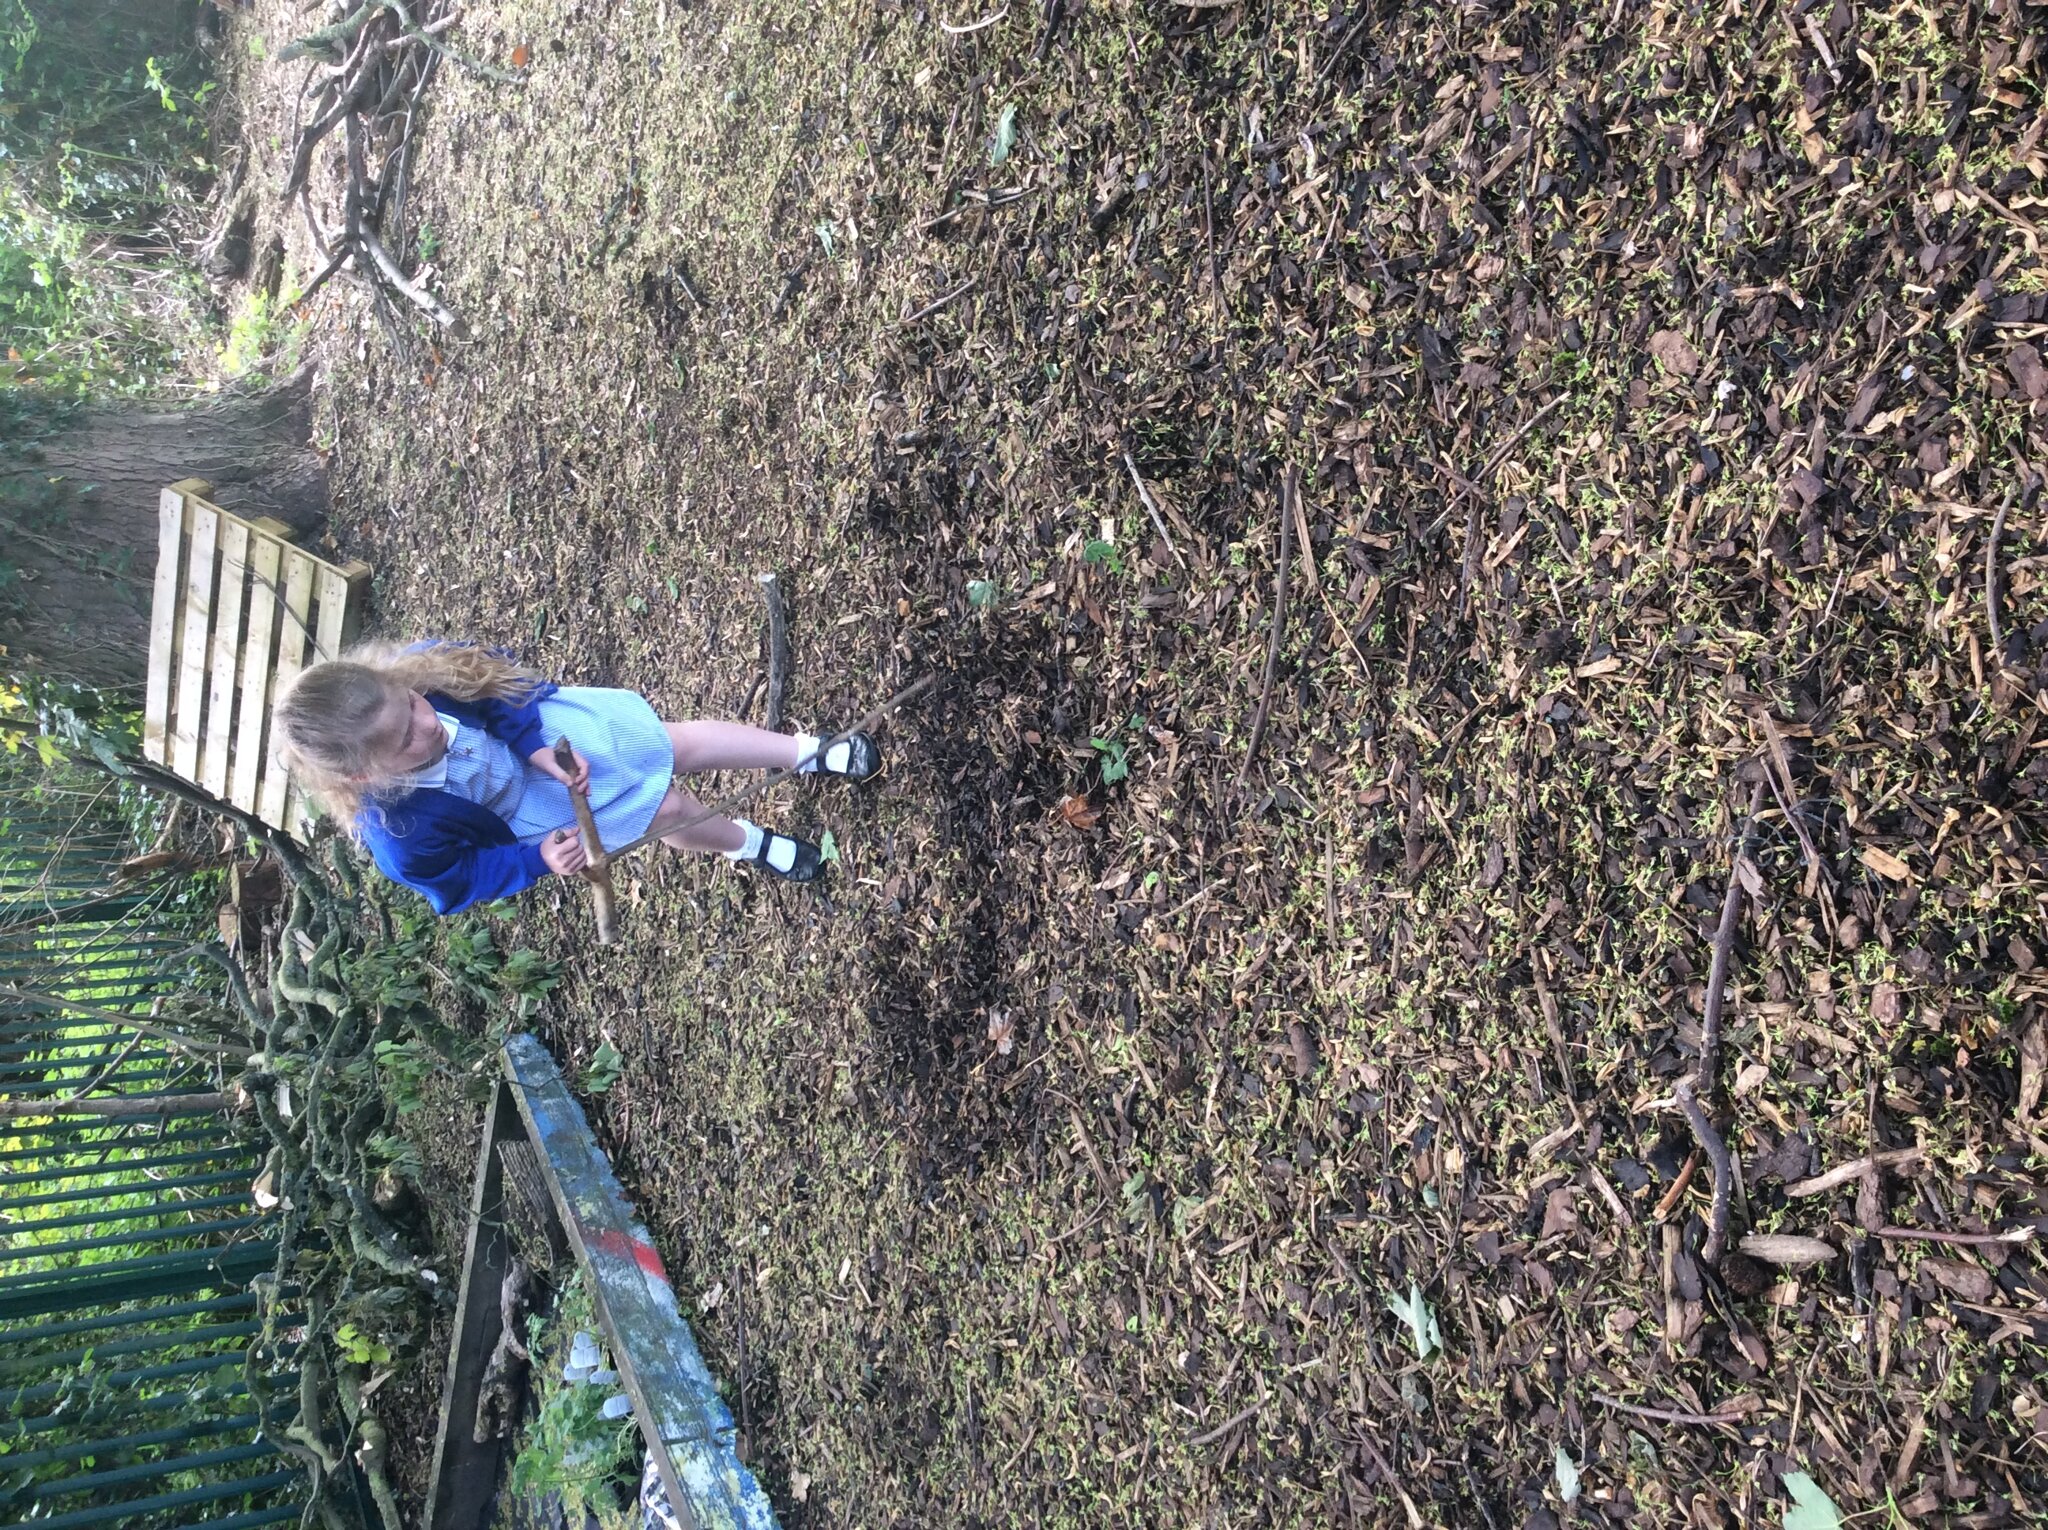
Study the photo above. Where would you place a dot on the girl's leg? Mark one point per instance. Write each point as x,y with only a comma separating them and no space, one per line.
707,745
716,834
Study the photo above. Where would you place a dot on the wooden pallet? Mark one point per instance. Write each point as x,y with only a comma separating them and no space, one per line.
237,612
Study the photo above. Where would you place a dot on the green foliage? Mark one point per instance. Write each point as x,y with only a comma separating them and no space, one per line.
1104,555
403,1068
571,1448
358,1348
606,1066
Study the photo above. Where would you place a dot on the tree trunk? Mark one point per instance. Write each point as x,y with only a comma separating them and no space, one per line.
122,1105
78,518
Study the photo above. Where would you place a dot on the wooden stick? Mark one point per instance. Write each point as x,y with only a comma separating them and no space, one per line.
1669,1415
1856,1168
940,302
1724,955
2021,1234
598,873
778,650
1290,484
1724,1173
1151,509
724,805
117,1105
1991,578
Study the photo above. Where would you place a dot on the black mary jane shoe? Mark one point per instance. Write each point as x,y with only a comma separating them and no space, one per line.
863,759
808,863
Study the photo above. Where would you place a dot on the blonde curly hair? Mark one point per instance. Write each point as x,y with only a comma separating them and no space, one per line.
324,720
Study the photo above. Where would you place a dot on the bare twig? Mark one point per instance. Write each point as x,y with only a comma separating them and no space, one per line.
975,26
1724,1172
1151,509
1856,1168
940,302
1290,485
1991,576
405,286
2023,1234
1671,1415
1724,954
1242,1416
778,650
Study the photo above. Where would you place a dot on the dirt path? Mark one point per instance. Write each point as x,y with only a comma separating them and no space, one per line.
1652,379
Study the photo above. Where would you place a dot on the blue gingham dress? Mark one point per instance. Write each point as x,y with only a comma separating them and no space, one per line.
617,732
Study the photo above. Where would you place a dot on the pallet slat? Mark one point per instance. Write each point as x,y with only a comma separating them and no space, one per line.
252,734
189,703
293,635
227,643
163,622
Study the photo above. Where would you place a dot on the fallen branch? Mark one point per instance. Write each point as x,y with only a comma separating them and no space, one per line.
1991,576
2023,1234
1724,1173
1672,1415
940,302
1724,955
1290,485
778,650
1856,1168
118,1105
405,286
597,872
1151,509
724,805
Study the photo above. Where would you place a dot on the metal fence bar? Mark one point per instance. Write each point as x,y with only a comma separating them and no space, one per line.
156,1402
125,1214
219,1360
136,1186
169,1161
251,1520
162,1338
121,1513
143,1471
133,1239
23,1460
79,1138
166,1275
239,1301
92,1274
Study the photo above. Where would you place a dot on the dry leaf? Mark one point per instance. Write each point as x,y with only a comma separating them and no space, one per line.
1885,864
1078,814
522,56
1598,667
1676,352
800,1486
264,1191
1002,1031
1972,1282
2033,1067
1787,1249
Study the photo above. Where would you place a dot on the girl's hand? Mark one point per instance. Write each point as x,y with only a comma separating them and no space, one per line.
543,760
563,852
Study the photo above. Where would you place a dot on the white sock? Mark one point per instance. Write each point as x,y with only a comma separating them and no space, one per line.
751,847
781,852
834,759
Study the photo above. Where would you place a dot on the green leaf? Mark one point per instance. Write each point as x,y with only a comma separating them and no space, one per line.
1422,1324
1811,1508
828,847
1006,135
605,1067
1567,1476
981,593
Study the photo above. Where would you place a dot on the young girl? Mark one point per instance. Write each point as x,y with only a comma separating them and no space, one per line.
441,759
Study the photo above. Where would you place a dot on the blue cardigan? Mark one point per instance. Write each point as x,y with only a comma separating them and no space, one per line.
446,848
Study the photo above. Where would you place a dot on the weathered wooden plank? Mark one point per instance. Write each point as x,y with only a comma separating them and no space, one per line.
164,607
252,731
227,644
188,700
292,636
464,1472
685,1423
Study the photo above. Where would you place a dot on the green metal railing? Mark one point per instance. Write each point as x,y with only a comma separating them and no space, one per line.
127,1245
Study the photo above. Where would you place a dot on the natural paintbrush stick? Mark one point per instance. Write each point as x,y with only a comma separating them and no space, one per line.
598,872
725,805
